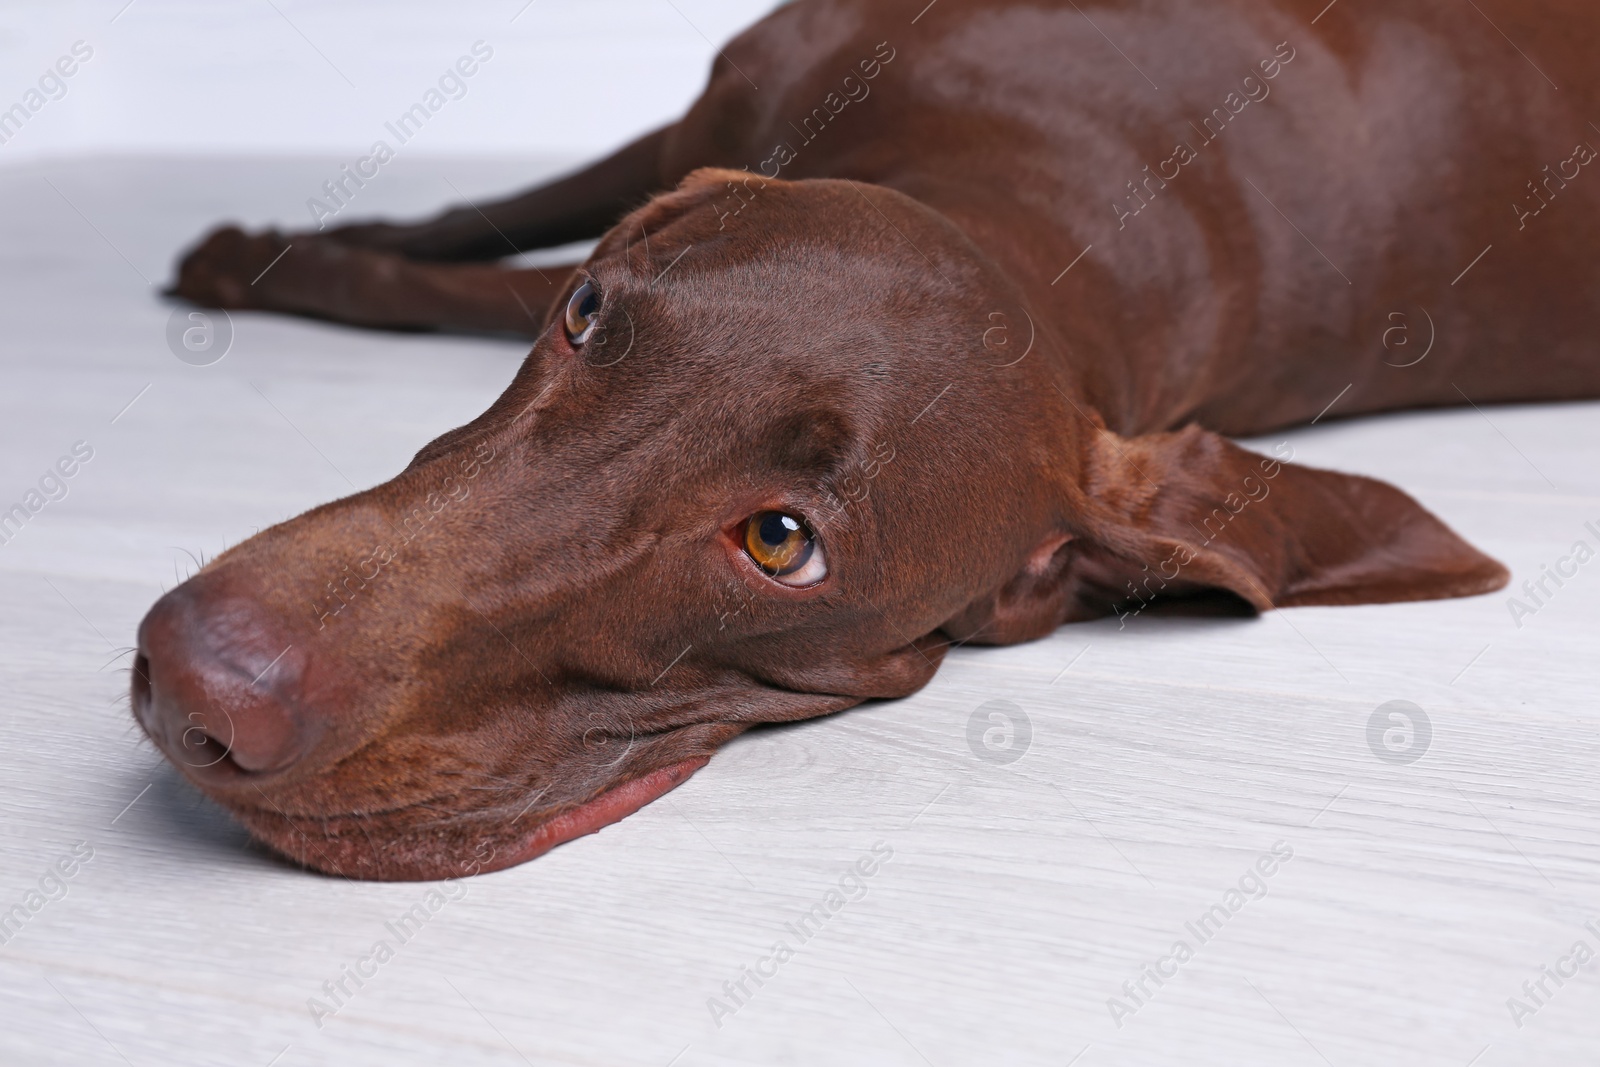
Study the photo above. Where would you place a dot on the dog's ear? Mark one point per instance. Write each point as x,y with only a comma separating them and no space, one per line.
1191,514
728,192
724,177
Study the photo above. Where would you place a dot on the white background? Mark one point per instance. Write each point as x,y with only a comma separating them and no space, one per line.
290,76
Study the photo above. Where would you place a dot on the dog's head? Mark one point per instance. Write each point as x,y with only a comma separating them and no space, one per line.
779,446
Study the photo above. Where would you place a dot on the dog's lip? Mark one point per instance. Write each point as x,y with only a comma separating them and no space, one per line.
282,834
611,806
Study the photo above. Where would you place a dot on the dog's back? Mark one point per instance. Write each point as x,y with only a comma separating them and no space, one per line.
1265,192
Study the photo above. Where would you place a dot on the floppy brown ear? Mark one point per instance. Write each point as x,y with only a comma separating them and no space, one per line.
1191,514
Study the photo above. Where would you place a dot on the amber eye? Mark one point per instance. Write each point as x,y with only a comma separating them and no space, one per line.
582,311
784,547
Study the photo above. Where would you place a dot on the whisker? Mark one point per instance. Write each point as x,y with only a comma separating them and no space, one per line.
197,563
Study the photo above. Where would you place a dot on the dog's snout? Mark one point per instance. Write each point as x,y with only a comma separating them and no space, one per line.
215,686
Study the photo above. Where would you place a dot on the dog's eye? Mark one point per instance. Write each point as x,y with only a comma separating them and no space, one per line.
582,311
784,547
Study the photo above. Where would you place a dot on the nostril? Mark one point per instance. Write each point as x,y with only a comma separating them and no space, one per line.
198,749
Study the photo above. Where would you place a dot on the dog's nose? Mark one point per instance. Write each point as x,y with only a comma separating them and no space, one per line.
215,686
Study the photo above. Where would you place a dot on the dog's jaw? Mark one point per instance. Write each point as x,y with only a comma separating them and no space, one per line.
350,847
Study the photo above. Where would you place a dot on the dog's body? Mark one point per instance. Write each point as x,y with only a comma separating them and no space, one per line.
1253,244
962,269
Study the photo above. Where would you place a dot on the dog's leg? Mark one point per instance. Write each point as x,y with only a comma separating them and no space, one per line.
313,276
574,208
379,274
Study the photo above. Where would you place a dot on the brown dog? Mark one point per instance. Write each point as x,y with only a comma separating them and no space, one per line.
942,352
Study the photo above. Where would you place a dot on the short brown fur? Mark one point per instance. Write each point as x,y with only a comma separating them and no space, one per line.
920,288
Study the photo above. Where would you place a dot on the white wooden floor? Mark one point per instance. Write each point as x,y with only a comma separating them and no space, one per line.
1164,758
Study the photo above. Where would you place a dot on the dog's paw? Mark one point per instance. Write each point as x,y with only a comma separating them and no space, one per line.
223,270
